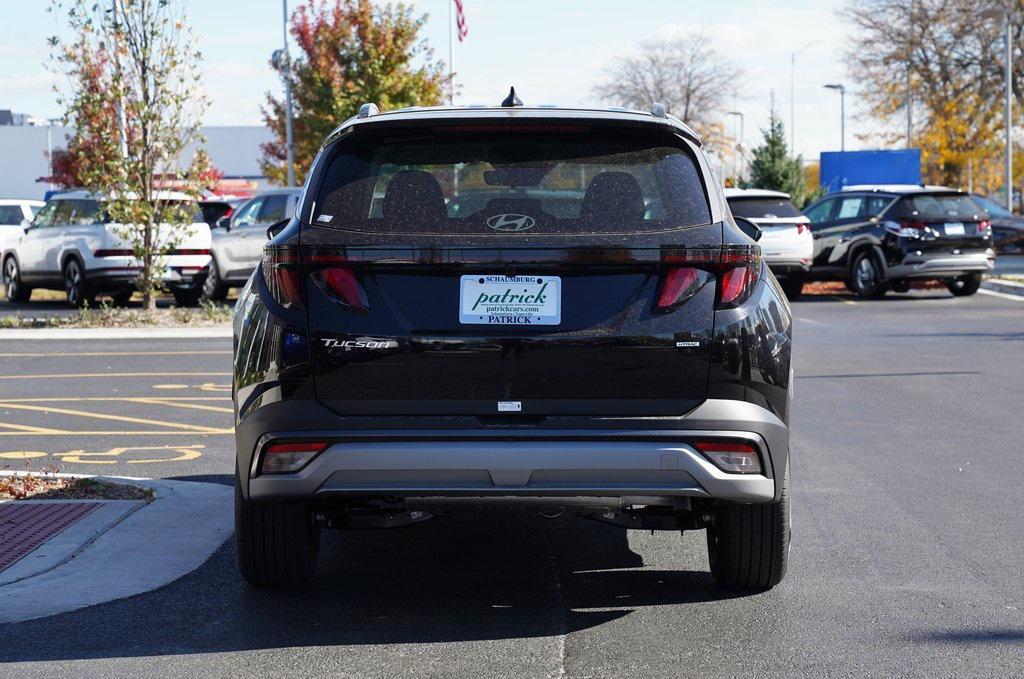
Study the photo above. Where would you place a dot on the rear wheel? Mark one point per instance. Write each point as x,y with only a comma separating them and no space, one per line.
77,289
187,297
213,287
277,543
793,286
16,291
748,545
965,285
866,277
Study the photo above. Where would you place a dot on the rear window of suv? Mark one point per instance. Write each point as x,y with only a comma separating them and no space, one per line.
937,205
531,183
762,208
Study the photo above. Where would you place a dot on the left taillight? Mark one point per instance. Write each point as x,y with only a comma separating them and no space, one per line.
282,273
285,458
736,268
983,227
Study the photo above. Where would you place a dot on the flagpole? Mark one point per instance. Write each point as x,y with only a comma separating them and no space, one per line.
451,53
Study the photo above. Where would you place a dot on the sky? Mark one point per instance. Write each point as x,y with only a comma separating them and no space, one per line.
553,51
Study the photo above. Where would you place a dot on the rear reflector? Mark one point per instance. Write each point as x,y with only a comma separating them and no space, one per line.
731,456
284,458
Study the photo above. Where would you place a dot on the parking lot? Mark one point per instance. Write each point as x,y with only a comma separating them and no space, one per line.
906,550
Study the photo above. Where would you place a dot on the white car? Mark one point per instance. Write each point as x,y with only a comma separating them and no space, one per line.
238,243
786,242
15,213
70,246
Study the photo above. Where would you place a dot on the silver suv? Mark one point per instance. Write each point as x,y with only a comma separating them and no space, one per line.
238,242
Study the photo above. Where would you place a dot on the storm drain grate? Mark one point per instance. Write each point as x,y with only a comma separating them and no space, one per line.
23,527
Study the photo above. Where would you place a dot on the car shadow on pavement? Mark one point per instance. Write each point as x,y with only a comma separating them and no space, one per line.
480,577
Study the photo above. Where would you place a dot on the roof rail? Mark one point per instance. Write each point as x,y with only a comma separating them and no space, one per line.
367,110
658,110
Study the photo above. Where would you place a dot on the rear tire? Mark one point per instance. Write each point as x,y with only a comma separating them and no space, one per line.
748,545
793,287
213,287
963,286
866,277
77,289
277,543
187,298
17,292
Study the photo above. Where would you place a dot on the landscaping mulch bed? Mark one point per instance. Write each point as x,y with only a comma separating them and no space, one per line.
43,486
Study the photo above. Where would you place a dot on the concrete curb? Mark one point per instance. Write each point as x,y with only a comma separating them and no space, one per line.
1003,286
146,549
210,332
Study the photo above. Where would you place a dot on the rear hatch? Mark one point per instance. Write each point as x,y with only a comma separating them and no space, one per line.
527,271
941,222
778,218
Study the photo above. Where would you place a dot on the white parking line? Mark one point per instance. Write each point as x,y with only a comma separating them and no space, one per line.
1004,295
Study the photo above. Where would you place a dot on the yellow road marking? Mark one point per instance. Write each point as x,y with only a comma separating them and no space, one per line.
179,404
89,375
28,427
22,454
184,453
104,416
114,353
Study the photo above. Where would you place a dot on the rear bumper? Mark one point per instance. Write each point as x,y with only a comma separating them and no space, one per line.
187,277
528,463
942,265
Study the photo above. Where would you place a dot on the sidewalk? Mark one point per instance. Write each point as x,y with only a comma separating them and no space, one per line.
87,552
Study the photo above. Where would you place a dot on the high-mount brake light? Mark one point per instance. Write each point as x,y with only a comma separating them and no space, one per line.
333,274
284,458
735,457
737,268
283,276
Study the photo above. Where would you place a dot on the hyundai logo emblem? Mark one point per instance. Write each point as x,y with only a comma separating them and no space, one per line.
511,222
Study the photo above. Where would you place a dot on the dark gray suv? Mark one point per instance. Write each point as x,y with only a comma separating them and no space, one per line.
546,308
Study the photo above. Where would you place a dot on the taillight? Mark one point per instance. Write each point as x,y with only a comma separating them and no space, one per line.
801,227
334,275
283,275
731,456
114,253
983,227
194,251
737,268
284,458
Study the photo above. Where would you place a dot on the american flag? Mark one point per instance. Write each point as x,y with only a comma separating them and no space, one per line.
460,21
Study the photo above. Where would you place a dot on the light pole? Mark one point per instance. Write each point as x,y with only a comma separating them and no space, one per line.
282,63
842,112
739,146
792,95
1007,16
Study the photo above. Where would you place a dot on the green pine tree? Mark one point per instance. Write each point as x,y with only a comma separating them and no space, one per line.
772,167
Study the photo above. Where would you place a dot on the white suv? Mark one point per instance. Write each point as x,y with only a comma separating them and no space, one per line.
70,246
786,242
238,244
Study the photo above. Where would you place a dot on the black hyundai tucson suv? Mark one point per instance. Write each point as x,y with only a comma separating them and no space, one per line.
548,309
882,238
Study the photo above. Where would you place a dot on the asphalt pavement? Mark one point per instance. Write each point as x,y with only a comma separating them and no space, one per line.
906,556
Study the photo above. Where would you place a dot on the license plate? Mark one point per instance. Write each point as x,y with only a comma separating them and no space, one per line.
954,228
510,300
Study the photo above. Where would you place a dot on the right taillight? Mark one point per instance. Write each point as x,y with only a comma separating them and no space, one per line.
334,275
737,268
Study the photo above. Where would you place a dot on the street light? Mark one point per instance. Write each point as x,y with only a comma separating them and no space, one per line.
842,112
1007,16
739,146
792,95
282,63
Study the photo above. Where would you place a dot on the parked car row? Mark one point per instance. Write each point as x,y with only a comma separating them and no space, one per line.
69,243
879,238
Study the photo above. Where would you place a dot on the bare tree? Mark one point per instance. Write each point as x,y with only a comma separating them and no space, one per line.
686,74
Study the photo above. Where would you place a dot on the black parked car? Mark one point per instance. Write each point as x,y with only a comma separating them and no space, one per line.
876,239
1007,228
545,308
